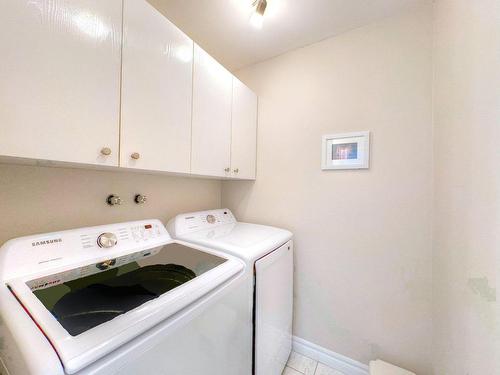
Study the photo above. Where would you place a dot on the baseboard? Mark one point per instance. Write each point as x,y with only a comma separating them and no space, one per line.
334,360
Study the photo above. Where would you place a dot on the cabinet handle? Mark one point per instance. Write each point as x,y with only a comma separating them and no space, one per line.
106,151
236,170
135,156
227,169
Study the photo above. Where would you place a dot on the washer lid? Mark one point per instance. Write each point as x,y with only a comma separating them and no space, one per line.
87,309
248,241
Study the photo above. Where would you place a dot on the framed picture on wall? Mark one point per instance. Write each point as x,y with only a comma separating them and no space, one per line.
346,151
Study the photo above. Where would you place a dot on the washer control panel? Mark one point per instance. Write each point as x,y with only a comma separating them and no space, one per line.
136,233
195,221
145,232
102,245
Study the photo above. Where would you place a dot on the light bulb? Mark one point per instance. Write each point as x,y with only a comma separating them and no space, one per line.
257,20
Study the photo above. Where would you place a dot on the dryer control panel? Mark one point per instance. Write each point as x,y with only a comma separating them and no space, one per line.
202,220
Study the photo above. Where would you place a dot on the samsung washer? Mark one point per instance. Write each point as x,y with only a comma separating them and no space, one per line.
121,299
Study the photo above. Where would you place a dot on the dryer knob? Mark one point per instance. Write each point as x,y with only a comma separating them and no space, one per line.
107,240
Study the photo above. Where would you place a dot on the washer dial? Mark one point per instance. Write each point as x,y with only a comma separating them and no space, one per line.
107,240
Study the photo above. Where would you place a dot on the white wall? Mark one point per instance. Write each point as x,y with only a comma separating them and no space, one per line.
467,186
363,238
39,199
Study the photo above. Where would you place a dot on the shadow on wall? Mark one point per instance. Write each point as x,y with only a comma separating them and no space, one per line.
42,199
241,192
481,287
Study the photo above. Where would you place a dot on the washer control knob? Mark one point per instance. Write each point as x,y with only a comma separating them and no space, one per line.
211,219
107,240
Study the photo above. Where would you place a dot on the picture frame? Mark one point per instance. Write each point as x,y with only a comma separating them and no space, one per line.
346,151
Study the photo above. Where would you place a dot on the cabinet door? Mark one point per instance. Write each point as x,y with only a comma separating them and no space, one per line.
212,93
156,91
60,80
244,131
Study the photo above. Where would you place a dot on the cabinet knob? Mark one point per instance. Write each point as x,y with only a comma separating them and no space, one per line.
106,151
236,170
227,170
135,156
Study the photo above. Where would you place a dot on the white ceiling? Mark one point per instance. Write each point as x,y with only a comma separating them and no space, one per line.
222,26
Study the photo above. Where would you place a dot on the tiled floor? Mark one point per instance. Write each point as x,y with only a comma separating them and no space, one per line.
301,365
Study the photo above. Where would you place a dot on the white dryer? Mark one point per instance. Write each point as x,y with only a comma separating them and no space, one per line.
268,251
121,299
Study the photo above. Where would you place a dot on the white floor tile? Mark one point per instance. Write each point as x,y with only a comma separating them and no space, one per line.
302,364
325,370
290,371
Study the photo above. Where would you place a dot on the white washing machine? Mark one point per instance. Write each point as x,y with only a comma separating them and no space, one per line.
122,299
268,251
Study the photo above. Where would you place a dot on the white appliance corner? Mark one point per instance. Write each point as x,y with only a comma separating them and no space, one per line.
334,360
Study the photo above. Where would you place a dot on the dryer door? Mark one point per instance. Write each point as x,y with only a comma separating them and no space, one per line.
273,310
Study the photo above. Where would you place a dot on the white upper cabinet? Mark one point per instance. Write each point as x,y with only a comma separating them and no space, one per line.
212,97
156,91
76,88
244,131
60,80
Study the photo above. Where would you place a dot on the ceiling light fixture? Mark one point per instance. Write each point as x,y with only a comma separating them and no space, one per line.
257,19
